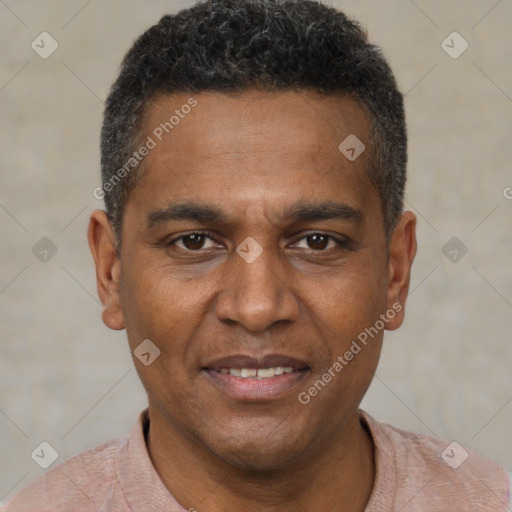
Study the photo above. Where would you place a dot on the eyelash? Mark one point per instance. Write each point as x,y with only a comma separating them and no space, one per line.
207,234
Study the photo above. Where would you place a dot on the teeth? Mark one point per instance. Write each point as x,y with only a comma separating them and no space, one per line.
266,372
248,372
261,373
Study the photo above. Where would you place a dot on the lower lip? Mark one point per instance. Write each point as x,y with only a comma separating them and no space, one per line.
251,389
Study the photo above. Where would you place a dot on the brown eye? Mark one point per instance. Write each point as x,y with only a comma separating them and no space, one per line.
194,241
321,242
318,241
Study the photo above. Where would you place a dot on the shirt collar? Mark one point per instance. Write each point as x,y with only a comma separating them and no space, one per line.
382,498
142,487
144,490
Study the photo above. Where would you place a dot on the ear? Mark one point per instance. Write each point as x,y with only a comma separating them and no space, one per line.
402,249
108,268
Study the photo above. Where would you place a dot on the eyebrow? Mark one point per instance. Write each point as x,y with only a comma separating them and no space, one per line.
301,211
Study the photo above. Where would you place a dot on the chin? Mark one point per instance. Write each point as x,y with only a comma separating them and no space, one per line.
262,462
266,452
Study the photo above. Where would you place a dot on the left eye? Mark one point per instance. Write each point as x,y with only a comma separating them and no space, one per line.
319,241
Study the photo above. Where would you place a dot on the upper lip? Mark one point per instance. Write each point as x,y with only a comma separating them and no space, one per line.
256,362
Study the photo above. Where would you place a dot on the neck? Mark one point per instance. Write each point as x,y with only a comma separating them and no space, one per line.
339,476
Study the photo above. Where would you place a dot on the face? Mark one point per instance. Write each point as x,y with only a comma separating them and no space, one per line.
253,255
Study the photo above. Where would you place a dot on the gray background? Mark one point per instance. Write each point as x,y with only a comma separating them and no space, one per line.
68,380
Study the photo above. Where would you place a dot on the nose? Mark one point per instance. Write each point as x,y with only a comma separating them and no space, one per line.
257,294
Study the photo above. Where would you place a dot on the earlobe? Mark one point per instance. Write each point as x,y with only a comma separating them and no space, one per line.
111,321
402,250
108,268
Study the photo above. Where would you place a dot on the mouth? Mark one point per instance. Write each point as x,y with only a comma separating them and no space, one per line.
257,373
246,378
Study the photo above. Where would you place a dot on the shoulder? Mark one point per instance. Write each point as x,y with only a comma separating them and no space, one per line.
438,453
85,481
432,472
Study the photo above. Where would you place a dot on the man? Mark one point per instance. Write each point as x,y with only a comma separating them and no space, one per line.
254,248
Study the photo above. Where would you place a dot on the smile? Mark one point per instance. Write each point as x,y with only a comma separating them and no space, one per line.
260,373
256,384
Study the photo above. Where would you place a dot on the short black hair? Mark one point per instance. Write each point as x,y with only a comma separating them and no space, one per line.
232,45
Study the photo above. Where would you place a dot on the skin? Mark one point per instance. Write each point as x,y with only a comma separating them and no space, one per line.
253,155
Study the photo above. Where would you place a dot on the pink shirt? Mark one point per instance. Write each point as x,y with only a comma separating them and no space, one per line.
412,475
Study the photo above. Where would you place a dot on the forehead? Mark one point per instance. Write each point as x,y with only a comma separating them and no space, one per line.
305,122
254,144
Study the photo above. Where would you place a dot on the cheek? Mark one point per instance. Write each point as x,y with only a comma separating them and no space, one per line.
158,309
155,303
167,311
352,299
347,313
